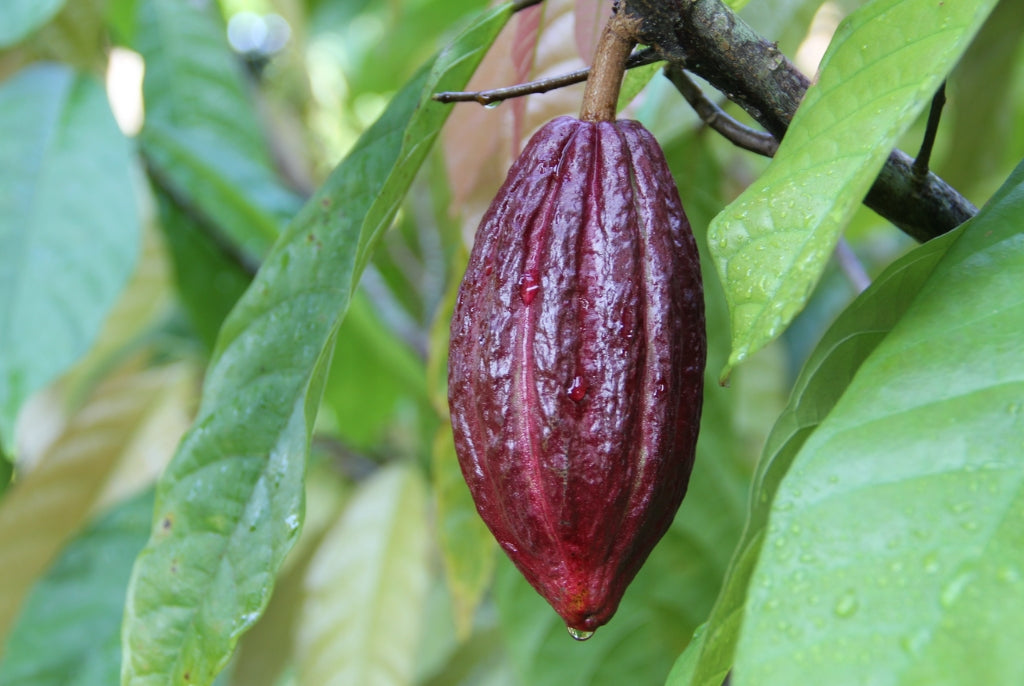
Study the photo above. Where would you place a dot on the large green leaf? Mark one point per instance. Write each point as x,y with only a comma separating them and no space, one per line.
267,651
18,18
366,587
69,227
895,546
229,506
823,379
202,139
883,66
69,631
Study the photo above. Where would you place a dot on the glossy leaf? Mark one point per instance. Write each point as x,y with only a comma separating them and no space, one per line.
267,651
229,506
894,550
18,18
69,631
69,227
772,243
823,379
366,587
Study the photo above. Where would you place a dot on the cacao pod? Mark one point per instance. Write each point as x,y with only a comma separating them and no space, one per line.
576,362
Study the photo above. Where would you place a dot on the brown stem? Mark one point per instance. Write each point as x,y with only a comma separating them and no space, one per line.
613,49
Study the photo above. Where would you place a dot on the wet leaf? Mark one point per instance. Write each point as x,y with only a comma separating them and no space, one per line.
897,532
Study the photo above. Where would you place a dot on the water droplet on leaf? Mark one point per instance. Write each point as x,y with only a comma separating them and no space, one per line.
847,604
954,588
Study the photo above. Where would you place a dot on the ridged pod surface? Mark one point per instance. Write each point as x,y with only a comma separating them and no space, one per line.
576,362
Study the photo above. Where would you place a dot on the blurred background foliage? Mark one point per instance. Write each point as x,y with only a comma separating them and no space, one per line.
232,113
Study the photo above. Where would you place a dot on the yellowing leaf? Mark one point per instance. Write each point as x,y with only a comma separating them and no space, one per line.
366,588
42,510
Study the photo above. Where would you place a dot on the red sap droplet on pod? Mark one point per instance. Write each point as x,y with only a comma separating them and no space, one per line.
529,284
578,388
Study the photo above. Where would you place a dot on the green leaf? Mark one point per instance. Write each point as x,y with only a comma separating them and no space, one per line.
193,80
69,227
120,16
18,18
824,377
202,140
895,546
267,651
68,633
6,472
883,66
229,506
366,587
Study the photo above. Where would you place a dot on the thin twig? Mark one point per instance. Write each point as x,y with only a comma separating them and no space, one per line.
934,114
495,95
714,116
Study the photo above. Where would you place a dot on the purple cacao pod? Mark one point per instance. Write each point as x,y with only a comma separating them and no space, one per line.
576,362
